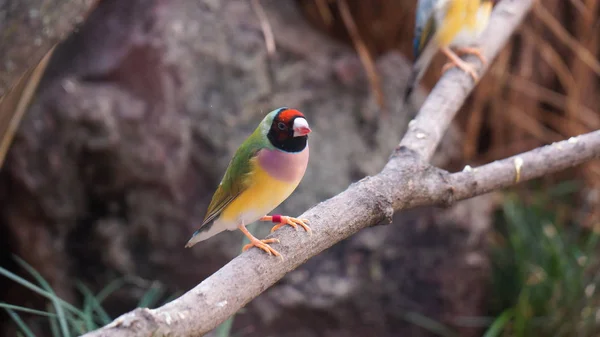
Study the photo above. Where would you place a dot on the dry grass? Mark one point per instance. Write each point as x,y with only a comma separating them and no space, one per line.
543,87
549,88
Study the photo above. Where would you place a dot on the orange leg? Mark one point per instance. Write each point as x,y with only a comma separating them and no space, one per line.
262,244
456,61
473,51
283,220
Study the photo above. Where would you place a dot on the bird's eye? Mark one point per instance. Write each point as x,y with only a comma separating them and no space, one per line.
281,126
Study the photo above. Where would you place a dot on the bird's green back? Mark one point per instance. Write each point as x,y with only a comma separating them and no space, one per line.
235,180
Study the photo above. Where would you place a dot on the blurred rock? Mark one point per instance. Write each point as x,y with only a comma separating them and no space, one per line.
30,28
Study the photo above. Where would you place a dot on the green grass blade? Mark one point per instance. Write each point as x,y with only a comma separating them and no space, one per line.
428,324
89,313
54,327
62,318
564,189
36,289
19,322
224,329
25,309
172,297
23,282
56,302
109,289
151,296
474,321
78,325
499,324
94,304
591,243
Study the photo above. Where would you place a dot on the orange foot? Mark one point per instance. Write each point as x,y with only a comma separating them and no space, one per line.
473,51
262,244
283,220
456,61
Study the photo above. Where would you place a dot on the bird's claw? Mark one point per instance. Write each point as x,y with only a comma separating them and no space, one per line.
466,67
456,61
473,51
263,244
294,222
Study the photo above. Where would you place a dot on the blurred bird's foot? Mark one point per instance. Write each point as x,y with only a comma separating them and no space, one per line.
261,244
283,220
473,51
456,61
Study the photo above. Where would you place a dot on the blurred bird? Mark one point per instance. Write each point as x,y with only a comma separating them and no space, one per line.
445,24
263,172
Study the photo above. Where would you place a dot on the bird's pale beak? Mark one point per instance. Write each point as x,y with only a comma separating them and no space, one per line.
301,127
302,131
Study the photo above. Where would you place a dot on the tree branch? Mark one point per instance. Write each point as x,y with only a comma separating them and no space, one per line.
526,166
406,181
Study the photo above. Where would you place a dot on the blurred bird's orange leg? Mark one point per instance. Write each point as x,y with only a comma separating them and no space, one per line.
456,61
262,244
283,220
473,51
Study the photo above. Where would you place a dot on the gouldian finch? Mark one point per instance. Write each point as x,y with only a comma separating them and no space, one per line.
263,172
445,24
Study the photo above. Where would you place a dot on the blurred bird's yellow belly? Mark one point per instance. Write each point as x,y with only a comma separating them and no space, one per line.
461,14
263,195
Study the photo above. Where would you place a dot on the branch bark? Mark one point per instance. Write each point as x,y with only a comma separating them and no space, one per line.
529,165
406,181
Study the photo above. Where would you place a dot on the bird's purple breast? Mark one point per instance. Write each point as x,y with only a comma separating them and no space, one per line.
284,166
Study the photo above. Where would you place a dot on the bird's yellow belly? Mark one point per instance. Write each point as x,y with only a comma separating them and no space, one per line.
264,195
464,20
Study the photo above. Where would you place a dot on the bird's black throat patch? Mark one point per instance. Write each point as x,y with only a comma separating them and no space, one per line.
281,135
287,143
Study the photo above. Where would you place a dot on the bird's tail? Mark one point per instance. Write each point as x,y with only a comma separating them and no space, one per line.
420,66
203,233
412,82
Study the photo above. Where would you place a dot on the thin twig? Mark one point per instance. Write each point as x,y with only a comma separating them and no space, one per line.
324,11
561,33
363,52
545,95
266,27
580,7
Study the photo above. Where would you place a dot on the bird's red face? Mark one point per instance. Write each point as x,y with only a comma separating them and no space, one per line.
291,123
289,130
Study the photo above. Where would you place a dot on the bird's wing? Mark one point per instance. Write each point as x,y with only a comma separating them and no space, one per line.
424,25
234,182
423,49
